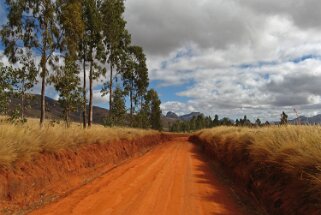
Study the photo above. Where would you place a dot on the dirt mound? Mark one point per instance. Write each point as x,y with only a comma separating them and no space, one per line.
49,175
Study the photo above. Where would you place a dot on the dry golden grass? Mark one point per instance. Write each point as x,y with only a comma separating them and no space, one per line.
281,164
19,142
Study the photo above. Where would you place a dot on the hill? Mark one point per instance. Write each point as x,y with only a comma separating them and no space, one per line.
172,115
189,116
307,120
54,110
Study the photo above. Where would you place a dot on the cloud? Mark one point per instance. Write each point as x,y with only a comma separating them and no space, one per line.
304,13
98,99
251,57
177,107
162,26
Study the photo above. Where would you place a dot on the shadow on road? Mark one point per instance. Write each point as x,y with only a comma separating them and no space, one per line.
216,192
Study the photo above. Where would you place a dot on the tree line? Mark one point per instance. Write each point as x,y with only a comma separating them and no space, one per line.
198,123
57,40
201,122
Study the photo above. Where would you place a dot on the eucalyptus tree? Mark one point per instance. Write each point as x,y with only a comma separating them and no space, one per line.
83,57
150,113
33,25
92,48
135,76
66,77
116,39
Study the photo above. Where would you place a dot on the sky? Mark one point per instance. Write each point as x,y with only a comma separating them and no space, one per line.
232,57
228,57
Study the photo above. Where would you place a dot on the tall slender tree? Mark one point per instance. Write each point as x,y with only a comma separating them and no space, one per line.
33,24
92,51
66,78
116,38
83,57
135,76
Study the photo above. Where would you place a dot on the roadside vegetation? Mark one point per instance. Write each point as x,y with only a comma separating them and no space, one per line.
77,47
280,165
24,142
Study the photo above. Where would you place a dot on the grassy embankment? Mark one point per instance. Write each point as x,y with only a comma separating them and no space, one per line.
38,166
22,142
281,166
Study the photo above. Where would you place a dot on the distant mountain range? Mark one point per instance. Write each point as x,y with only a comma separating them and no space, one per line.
186,117
307,120
172,117
300,120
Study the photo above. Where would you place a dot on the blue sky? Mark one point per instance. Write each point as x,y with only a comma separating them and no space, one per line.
230,58
169,93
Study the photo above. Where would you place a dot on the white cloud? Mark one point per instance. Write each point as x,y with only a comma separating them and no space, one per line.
177,107
251,57
98,99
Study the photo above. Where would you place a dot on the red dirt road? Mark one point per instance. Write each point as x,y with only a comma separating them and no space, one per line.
171,179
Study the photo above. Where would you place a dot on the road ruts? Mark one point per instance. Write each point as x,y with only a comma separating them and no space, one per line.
171,179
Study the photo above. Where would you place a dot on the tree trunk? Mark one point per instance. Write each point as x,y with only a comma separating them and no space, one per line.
67,119
22,105
131,108
43,89
111,87
22,99
44,71
131,104
84,113
90,115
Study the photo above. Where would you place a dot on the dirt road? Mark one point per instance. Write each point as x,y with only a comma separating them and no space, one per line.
171,179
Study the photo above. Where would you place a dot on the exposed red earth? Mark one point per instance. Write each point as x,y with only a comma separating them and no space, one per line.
50,175
173,178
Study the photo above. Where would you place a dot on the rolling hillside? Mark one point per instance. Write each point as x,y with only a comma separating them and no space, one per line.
54,111
307,120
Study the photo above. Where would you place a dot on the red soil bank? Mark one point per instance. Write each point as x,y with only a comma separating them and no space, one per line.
49,175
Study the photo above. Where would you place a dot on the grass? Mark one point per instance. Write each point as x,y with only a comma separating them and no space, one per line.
23,142
281,165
